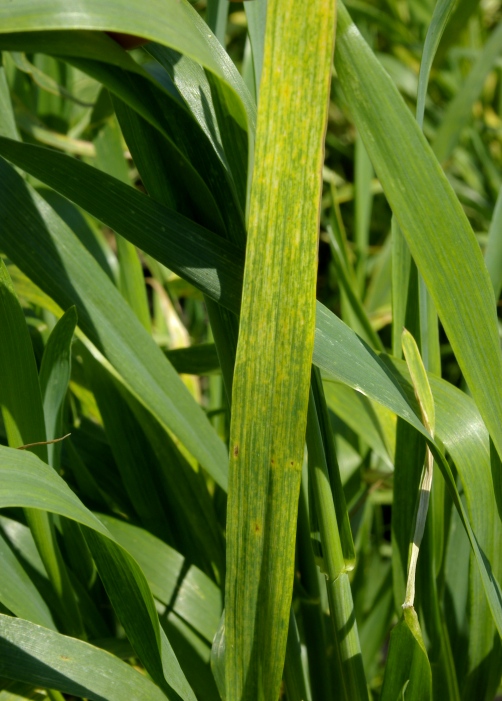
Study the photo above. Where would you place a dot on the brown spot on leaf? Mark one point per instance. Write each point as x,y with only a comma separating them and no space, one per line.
236,451
257,527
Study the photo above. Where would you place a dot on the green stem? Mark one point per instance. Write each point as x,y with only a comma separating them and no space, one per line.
344,621
312,613
338,585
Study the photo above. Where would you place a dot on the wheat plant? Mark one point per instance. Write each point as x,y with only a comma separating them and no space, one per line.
250,360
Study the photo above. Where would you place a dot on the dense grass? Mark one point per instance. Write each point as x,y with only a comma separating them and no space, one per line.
250,366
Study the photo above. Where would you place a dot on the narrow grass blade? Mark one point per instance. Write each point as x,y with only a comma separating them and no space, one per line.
440,17
20,399
185,247
480,672
184,491
330,330
331,561
128,590
366,373
7,120
425,401
443,246
212,108
429,332
105,318
110,159
374,630
87,231
278,305
363,202
21,542
193,85
149,159
459,109
352,363
420,382
430,603
493,252
21,406
218,655
54,378
150,152
408,467
229,142
216,18
344,620
168,120
17,591
201,181
31,653
401,271
462,12
256,14
45,81
333,470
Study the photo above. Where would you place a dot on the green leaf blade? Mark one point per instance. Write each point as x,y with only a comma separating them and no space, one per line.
31,653
27,482
106,318
408,673
270,394
442,243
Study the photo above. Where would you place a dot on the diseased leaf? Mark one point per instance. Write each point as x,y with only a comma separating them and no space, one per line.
270,391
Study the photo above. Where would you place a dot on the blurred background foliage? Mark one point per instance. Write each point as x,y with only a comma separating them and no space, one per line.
176,534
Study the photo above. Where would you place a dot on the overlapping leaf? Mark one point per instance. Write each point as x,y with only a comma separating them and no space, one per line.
28,482
105,317
37,655
442,243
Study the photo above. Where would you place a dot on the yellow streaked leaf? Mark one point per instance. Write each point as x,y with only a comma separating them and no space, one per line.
270,393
